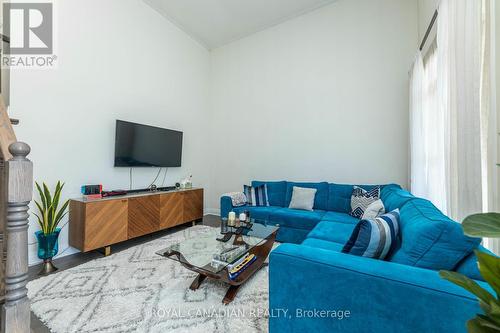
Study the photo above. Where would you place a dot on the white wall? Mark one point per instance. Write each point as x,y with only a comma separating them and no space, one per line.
320,97
117,59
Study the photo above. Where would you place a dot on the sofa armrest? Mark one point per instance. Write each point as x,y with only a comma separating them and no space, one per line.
362,295
226,205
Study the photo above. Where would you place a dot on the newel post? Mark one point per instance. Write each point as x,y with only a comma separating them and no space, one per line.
16,310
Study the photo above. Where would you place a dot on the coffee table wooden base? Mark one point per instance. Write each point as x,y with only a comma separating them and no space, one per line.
262,252
197,282
231,292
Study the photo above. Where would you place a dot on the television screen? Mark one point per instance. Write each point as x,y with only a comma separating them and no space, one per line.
139,145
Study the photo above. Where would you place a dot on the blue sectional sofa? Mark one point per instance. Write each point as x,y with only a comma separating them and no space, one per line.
316,288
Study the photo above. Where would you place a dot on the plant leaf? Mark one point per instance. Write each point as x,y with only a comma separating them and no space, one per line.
62,212
42,196
479,325
39,206
39,221
494,312
57,195
48,197
489,267
468,284
482,225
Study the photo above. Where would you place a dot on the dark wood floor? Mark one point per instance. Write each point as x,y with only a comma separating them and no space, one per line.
79,258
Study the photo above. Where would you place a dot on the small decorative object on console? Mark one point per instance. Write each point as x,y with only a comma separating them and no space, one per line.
92,191
186,183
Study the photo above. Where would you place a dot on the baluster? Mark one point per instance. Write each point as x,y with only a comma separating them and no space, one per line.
16,310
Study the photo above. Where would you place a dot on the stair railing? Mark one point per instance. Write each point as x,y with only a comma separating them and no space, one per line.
16,181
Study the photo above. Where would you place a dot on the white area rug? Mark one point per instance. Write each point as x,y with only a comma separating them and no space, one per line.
138,291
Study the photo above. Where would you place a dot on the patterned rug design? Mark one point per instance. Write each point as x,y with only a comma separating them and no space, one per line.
138,291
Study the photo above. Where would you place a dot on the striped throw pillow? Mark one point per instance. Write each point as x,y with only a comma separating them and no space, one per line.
256,196
375,238
361,199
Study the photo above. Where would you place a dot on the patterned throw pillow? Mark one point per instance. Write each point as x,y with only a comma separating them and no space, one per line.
375,238
256,196
361,199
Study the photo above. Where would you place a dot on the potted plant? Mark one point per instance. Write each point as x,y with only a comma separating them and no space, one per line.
49,215
482,225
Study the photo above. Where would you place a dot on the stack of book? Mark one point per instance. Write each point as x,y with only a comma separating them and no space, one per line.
239,266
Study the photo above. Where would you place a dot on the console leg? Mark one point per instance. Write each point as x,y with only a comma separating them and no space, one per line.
106,251
193,223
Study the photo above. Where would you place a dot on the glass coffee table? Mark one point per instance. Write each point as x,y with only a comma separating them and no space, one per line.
217,256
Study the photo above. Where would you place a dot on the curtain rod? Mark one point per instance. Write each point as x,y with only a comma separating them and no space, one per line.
433,21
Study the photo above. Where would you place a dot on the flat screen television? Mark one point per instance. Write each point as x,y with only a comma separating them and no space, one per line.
139,145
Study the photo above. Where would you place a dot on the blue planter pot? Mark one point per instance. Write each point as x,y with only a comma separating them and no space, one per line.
48,245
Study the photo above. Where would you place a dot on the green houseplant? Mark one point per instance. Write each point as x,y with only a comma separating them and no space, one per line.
49,216
482,225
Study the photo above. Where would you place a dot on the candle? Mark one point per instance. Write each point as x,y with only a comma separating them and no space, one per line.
243,217
231,218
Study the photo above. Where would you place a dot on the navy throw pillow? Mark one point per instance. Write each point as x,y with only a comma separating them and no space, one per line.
375,238
256,196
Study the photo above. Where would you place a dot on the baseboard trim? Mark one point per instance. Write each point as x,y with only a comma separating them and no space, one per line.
212,211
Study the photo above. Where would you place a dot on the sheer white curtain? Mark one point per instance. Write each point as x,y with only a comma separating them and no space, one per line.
427,132
459,53
418,164
450,162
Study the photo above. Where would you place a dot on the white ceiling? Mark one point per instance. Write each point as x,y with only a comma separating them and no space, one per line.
217,22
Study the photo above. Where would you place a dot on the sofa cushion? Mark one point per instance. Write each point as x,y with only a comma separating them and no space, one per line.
339,196
340,217
276,192
322,244
429,239
468,266
321,198
375,238
298,219
394,197
333,231
291,235
257,212
303,198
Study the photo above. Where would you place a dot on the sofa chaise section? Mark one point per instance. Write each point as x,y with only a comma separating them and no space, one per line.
379,296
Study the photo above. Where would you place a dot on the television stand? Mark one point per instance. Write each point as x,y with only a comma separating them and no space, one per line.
99,223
